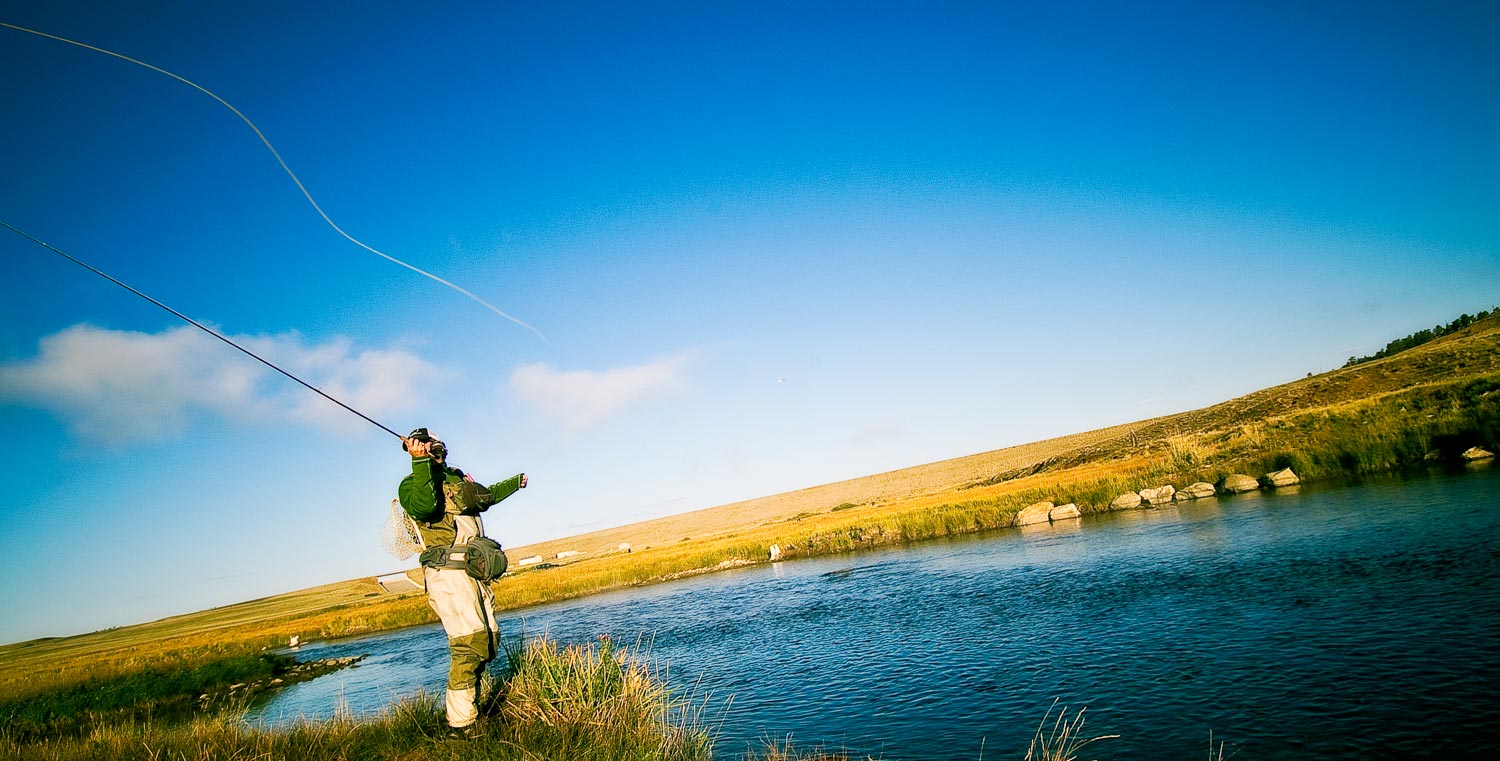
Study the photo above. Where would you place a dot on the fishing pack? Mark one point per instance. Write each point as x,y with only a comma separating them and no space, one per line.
482,558
485,559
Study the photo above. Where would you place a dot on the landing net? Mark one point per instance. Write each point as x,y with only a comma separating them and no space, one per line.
398,535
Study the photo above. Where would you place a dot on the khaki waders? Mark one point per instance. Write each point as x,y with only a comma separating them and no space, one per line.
466,606
452,503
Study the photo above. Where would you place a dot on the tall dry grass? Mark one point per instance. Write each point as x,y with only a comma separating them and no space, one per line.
1060,738
596,703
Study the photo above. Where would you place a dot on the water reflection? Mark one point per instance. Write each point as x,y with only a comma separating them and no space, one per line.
1055,528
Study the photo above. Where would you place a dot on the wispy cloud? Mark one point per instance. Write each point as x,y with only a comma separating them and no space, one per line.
114,387
582,399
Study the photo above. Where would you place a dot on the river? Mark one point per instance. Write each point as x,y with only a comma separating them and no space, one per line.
1348,622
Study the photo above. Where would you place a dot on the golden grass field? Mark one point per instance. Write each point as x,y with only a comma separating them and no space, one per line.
1341,420
879,489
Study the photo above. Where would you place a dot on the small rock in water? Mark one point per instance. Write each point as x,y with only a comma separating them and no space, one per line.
1283,477
1240,483
1159,495
1196,491
1033,513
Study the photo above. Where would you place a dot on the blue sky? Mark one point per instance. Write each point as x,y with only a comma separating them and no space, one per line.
770,245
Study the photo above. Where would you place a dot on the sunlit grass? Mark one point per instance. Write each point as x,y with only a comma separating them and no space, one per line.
1060,738
588,703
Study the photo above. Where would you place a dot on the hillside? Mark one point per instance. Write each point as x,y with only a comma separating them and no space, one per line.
1470,351
905,483
1369,417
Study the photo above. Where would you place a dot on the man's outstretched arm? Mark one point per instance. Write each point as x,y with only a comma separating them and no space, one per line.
508,487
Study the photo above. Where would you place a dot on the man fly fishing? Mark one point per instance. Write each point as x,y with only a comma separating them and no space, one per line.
458,562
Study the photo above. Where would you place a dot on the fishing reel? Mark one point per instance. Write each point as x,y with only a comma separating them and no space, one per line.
436,447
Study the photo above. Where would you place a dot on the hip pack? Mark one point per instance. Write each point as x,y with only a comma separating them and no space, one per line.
443,557
484,559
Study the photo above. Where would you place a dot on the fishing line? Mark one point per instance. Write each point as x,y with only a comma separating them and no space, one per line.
288,169
198,325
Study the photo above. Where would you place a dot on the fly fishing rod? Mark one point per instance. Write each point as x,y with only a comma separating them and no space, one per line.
197,325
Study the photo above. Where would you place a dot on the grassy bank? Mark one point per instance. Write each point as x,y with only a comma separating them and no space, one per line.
151,694
1420,427
575,703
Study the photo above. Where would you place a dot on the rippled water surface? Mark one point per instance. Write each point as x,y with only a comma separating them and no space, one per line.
1340,623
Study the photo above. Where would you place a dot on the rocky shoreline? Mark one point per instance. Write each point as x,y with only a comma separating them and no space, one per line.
1238,483
298,671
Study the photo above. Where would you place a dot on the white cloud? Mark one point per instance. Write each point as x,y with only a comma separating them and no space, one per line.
582,399
115,387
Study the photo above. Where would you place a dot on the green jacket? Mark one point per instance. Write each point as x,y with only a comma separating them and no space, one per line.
431,507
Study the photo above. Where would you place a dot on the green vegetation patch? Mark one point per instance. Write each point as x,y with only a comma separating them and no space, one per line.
1410,429
153,694
1423,336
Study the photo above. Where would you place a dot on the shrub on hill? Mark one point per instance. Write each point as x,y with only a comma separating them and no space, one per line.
1423,336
